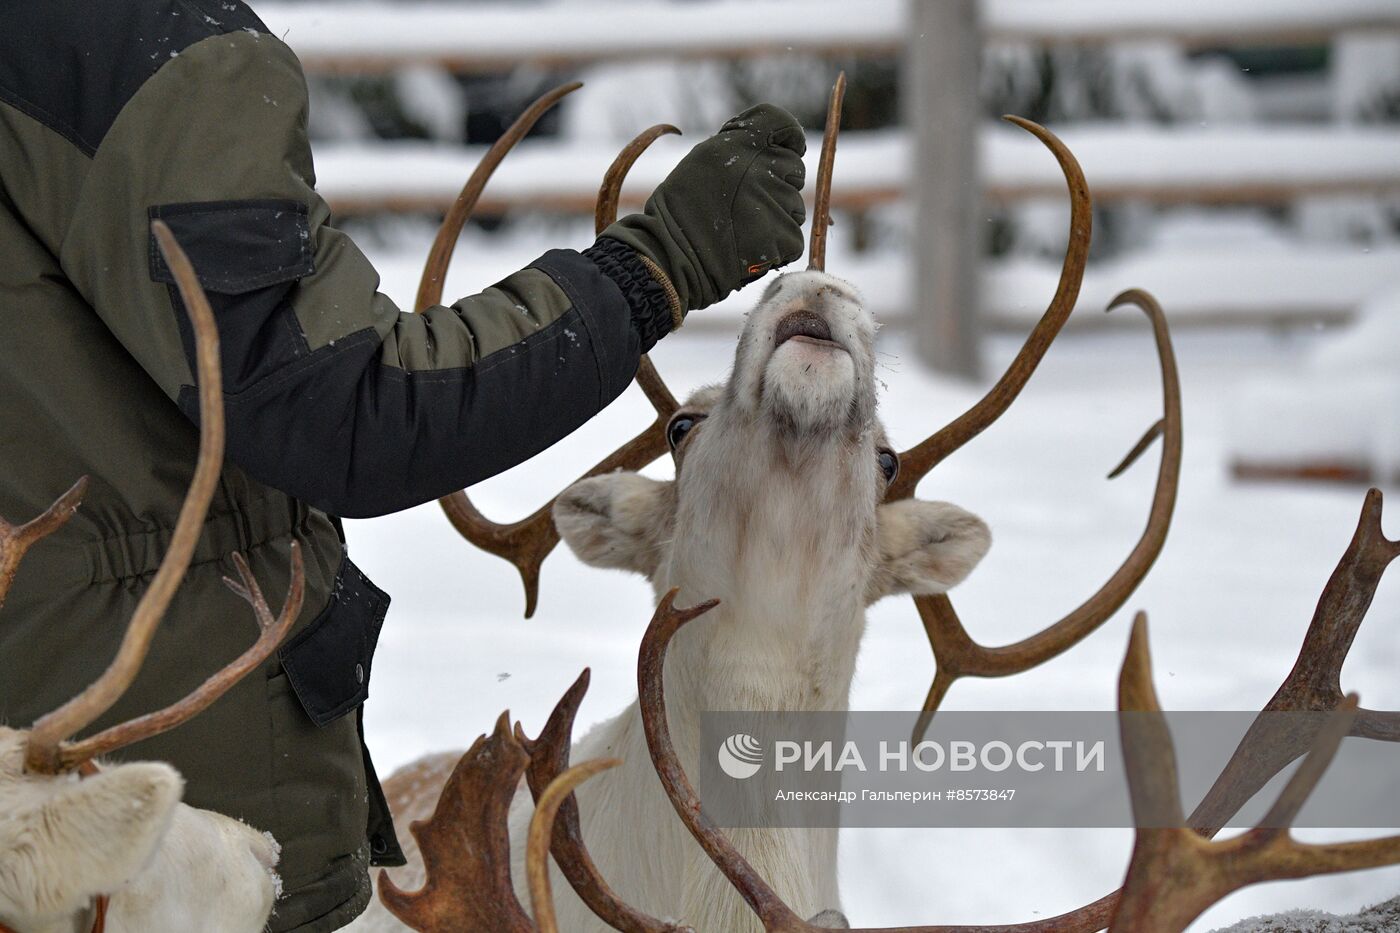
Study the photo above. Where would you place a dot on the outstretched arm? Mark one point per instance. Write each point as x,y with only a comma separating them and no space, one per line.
332,394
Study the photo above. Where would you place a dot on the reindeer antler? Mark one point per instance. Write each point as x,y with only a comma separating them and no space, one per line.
542,830
1313,684
771,910
465,844
48,751
549,761
440,256
821,209
1175,874
15,541
528,542
916,462
466,847
955,652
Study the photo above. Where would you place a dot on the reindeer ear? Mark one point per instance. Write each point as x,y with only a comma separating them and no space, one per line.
82,838
926,547
620,520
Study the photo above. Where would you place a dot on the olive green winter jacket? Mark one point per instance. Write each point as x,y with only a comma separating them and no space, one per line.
113,112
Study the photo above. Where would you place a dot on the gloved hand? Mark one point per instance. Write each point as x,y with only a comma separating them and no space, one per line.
730,211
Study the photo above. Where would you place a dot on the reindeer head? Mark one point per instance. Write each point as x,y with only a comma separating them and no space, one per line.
120,833
794,425
123,832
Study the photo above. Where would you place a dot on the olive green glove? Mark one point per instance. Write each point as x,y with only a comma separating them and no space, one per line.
730,211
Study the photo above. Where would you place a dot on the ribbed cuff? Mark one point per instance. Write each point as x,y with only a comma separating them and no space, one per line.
655,308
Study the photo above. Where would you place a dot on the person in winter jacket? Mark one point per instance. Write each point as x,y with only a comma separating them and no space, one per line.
115,112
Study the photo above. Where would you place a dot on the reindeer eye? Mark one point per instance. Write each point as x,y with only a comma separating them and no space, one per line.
889,465
678,428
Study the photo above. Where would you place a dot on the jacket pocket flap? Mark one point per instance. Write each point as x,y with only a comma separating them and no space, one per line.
328,662
237,246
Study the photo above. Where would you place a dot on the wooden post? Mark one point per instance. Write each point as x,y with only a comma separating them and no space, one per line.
942,118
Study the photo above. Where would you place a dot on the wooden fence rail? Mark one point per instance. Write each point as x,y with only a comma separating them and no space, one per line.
944,166
354,38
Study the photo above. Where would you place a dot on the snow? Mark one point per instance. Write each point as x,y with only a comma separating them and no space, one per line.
1118,160
1199,284
1204,156
1187,19
1380,918
490,33
1338,408
1229,599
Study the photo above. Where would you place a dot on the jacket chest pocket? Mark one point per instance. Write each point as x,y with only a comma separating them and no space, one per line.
328,662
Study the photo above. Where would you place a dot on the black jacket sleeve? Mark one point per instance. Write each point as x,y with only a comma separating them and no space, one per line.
332,394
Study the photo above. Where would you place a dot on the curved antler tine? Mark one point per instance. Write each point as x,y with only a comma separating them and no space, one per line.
1147,742
821,210
1315,682
651,698
610,192
772,912
542,829
273,629
440,257
916,462
957,655
15,541
526,543
549,759
49,731
1175,875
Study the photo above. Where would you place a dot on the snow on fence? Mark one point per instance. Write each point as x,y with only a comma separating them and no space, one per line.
1227,165
938,43
487,37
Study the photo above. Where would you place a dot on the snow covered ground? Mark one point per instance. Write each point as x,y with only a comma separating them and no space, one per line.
1229,599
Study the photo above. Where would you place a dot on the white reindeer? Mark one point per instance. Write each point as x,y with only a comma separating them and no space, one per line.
776,509
111,847
123,832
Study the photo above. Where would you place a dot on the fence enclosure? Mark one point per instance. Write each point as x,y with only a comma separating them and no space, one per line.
946,162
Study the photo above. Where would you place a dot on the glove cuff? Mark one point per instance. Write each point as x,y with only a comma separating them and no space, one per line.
656,307
673,298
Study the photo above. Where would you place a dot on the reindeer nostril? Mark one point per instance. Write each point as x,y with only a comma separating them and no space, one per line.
801,323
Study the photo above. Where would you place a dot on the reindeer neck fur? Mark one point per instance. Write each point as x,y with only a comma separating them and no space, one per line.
779,525
775,512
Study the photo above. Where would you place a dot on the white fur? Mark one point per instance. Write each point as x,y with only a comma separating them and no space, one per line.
124,832
775,510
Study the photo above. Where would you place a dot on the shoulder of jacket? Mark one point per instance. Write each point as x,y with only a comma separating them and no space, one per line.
108,50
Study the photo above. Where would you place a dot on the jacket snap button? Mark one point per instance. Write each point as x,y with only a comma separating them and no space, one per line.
359,673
